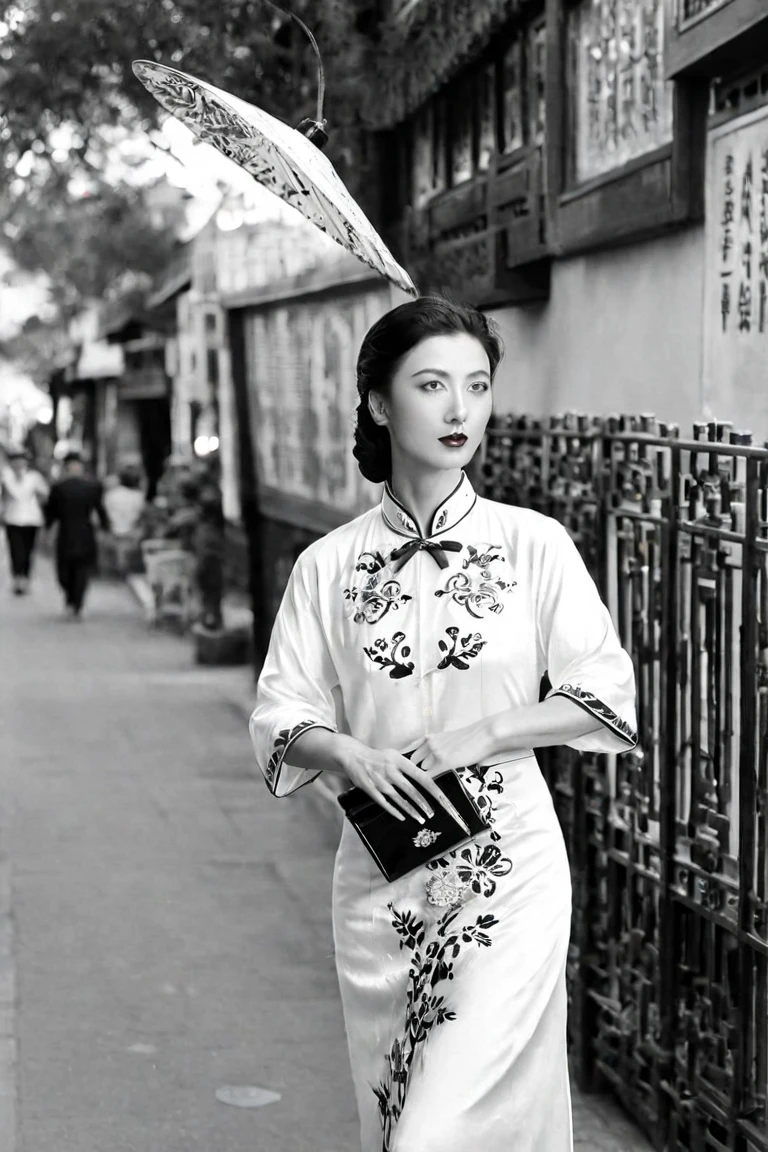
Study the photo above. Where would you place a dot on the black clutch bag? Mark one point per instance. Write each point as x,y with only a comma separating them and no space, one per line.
400,846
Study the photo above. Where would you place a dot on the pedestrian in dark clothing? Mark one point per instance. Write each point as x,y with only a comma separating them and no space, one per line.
73,502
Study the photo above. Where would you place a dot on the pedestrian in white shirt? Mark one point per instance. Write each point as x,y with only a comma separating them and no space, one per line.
23,492
124,504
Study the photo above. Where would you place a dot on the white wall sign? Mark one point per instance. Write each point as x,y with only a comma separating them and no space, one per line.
300,364
736,273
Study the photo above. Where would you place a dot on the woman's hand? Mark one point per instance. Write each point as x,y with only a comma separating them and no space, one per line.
442,751
388,778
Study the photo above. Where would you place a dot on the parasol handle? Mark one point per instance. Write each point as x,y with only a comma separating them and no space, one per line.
320,68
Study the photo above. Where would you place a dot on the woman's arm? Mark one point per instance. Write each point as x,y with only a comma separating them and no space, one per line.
318,750
553,721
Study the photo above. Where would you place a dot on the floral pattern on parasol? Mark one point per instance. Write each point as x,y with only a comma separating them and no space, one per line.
277,156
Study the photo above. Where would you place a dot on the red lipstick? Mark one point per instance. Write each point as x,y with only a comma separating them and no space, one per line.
454,441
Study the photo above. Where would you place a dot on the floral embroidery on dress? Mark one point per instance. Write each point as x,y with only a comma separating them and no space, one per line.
432,961
441,520
435,949
476,869
446,889
379,594
460,650
406,522
393,655
599,710
476,593
370,562
483,556
479,590
283,740
481,782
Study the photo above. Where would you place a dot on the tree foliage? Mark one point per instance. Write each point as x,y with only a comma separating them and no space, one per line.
67,89
86,244
68,62
36,348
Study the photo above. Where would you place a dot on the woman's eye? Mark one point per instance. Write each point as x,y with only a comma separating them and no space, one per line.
481,386
432,385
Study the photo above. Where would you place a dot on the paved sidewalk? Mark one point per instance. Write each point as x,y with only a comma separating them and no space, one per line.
170,930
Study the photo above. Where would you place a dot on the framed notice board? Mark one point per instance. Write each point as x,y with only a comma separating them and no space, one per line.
736,273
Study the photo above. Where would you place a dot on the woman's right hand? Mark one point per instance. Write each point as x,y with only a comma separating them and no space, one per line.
388,778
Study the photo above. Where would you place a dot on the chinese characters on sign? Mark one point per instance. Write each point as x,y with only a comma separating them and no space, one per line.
736,315
623,104
743,223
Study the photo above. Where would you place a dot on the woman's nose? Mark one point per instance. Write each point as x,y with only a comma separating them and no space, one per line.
457,410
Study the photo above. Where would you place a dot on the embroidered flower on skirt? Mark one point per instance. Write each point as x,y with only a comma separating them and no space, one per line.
446,888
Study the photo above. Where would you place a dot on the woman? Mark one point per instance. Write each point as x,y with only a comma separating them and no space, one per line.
124,504
24,492
427,624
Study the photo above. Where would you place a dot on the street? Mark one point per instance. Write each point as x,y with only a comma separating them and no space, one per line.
170,919
164,923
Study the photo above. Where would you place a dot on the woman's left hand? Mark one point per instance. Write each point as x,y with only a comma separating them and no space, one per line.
442,751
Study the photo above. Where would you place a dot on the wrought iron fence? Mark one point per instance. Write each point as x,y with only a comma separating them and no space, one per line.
668,971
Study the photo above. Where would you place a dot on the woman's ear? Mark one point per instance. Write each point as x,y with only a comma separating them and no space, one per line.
378,409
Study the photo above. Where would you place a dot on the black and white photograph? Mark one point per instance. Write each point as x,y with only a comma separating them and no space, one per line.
384,576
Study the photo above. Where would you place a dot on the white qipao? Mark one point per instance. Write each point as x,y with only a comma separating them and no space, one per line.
452,978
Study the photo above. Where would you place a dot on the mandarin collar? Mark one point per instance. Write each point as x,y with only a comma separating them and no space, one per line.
447,515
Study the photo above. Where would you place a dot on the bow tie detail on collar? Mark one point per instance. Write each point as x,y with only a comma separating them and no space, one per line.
436,549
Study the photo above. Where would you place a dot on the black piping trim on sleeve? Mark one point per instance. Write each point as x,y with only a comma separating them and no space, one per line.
592,704
283,741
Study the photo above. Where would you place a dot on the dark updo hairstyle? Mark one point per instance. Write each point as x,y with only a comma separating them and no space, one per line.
389,340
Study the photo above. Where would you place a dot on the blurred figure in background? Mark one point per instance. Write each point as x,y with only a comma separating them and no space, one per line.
74,501
124,503
24,492
209,549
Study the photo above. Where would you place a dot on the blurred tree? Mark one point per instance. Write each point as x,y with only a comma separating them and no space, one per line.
66,79
69,99
36,348
88,243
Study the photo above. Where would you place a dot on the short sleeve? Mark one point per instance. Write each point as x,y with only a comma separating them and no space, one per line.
584,659
296,687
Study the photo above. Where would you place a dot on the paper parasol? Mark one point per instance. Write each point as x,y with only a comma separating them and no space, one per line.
283,159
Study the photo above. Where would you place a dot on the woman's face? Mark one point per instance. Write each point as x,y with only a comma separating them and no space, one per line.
438,404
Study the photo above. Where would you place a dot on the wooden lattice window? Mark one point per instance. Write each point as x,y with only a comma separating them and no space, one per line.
625,146
492,111
621,104
713,37
691,10
463,177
